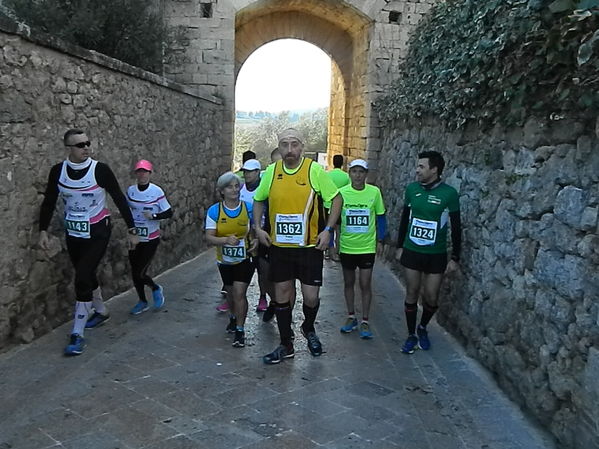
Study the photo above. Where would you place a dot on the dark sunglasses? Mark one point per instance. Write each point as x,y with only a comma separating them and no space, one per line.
81,144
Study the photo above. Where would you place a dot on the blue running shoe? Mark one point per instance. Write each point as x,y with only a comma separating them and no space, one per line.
410,344
314,345
365,332
158,296
140,307
423,342
75,346
349,325
96,320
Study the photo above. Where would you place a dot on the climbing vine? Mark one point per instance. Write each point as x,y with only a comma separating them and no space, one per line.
500,61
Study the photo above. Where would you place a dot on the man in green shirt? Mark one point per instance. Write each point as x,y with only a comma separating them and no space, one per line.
363,227
340,178
295,188
429,205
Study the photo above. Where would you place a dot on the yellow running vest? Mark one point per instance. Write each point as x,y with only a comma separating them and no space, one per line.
239,227
295,210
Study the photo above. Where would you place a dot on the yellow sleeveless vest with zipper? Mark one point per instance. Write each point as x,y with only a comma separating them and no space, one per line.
292,194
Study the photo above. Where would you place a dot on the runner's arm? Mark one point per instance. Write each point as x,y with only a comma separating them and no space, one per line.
335,211
456,235
107,180
164,214
258,211
212,239
403,226
50,197
261,234
381,227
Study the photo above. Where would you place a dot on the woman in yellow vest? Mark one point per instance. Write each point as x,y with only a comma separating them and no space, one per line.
229,227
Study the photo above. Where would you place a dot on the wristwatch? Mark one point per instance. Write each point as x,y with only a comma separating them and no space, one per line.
132,231
328,228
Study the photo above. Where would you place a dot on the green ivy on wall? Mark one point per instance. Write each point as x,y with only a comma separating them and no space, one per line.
500,61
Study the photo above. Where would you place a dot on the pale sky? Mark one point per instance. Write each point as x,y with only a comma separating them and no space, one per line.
284,75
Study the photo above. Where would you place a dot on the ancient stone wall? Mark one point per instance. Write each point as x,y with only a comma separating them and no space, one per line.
46,87
526,303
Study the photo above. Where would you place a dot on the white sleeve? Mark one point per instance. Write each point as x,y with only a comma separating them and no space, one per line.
210,223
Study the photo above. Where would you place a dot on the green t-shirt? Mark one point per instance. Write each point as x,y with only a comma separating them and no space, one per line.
340,178
358,219
319,180
429,214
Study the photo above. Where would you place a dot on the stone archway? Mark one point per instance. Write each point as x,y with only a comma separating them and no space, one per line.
367,39
336,28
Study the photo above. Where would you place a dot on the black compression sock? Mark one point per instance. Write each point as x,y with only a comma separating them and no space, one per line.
283,314
427,314
411,315
310,317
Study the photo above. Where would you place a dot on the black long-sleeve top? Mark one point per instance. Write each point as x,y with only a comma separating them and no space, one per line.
456,231
105,178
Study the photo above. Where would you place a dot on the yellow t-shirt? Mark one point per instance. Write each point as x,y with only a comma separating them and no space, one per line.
294,210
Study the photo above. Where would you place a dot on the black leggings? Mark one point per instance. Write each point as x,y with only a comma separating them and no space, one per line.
140,259
86,255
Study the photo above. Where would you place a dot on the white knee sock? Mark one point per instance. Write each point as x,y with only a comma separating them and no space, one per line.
82,312
98,302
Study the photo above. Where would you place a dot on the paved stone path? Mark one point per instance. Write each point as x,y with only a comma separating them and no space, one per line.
171,380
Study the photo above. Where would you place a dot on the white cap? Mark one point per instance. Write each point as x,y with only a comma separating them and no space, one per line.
251,164
358,163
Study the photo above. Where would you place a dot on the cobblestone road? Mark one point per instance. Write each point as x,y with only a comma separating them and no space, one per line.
171,380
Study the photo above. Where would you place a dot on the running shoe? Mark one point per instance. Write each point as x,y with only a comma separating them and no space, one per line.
96,320
224,307
350,325
75,346
314,345
138,308
232,326
158,296
423,342
410,344
239,340
365,332
279,354
262,304
269,313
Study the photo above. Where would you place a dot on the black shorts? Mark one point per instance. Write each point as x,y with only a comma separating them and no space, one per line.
425,263
240,272
353,261
262,251
288,264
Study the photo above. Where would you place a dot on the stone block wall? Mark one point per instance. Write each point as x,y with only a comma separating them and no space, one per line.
46,87
526,303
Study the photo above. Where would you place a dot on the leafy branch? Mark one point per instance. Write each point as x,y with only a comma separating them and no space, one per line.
500,61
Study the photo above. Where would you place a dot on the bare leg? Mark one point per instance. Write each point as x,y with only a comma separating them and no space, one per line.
285,292
265,285
431,285
413,280
349,279
366,290
240,302
310,294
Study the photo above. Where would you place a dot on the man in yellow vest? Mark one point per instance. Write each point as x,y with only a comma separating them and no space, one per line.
295,188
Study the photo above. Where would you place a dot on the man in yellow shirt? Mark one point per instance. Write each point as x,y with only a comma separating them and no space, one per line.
295,188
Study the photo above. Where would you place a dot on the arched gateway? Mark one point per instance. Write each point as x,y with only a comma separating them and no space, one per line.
366,39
